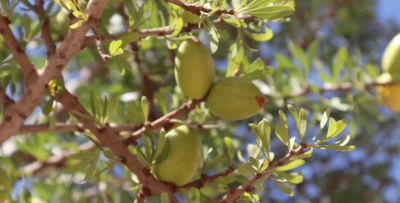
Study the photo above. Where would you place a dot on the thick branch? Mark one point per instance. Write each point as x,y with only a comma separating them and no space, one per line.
143,194
109,138
46,34
35,85
195,9
159,123
208,179
235,193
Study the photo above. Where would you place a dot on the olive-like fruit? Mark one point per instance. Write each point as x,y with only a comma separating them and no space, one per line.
234,98
183,159
189,17
389,94
194,68
391,57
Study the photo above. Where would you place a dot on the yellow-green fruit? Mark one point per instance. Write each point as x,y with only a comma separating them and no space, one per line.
181,163
391,56
189,17
389,94
194,68
234,98
62,22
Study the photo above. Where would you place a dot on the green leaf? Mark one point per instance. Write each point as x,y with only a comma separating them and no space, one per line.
298,52
75,168
284,188
336,147
306,154
140,156
245,170
212,34
231,149
235,57
254,162
213,163
264,130
164,197
294,178
303,124
341,58
261,37
105,107
92,168
312,50
270,12
94,104
323,122
165,151
26,21
84,116
148,143
234,22
115,48
262,73
88,154
160,143
128,38
291,165
292,143
178,27
145,107
48,106
123,65
109,154
296,118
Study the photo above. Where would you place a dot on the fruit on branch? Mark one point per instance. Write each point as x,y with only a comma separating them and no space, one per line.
391,57
389,94
194,68
183,159
189,17
234,98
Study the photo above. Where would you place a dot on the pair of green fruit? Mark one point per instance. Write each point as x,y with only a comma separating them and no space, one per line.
390,94
230,98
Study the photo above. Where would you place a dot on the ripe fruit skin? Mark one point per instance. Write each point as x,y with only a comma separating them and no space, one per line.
189,17
389,94
391,56
194,68
234,98
182,162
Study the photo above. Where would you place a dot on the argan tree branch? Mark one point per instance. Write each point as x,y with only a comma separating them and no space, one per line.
109,138
208,179
159,123
235,193
98,39
46,34
13,44
35,83
143,194
163,31
195,9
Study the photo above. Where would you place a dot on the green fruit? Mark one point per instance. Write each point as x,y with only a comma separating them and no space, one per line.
189,17
194,68
183,159
391,56
234,98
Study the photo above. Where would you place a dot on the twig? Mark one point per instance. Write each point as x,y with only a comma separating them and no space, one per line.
159,123
4,99
235,193
195,9
162,31
143,194
46,34
12,43
107,137
208,179
35,83
98,39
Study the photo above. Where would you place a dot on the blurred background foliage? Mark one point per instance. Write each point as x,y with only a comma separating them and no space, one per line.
341,41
